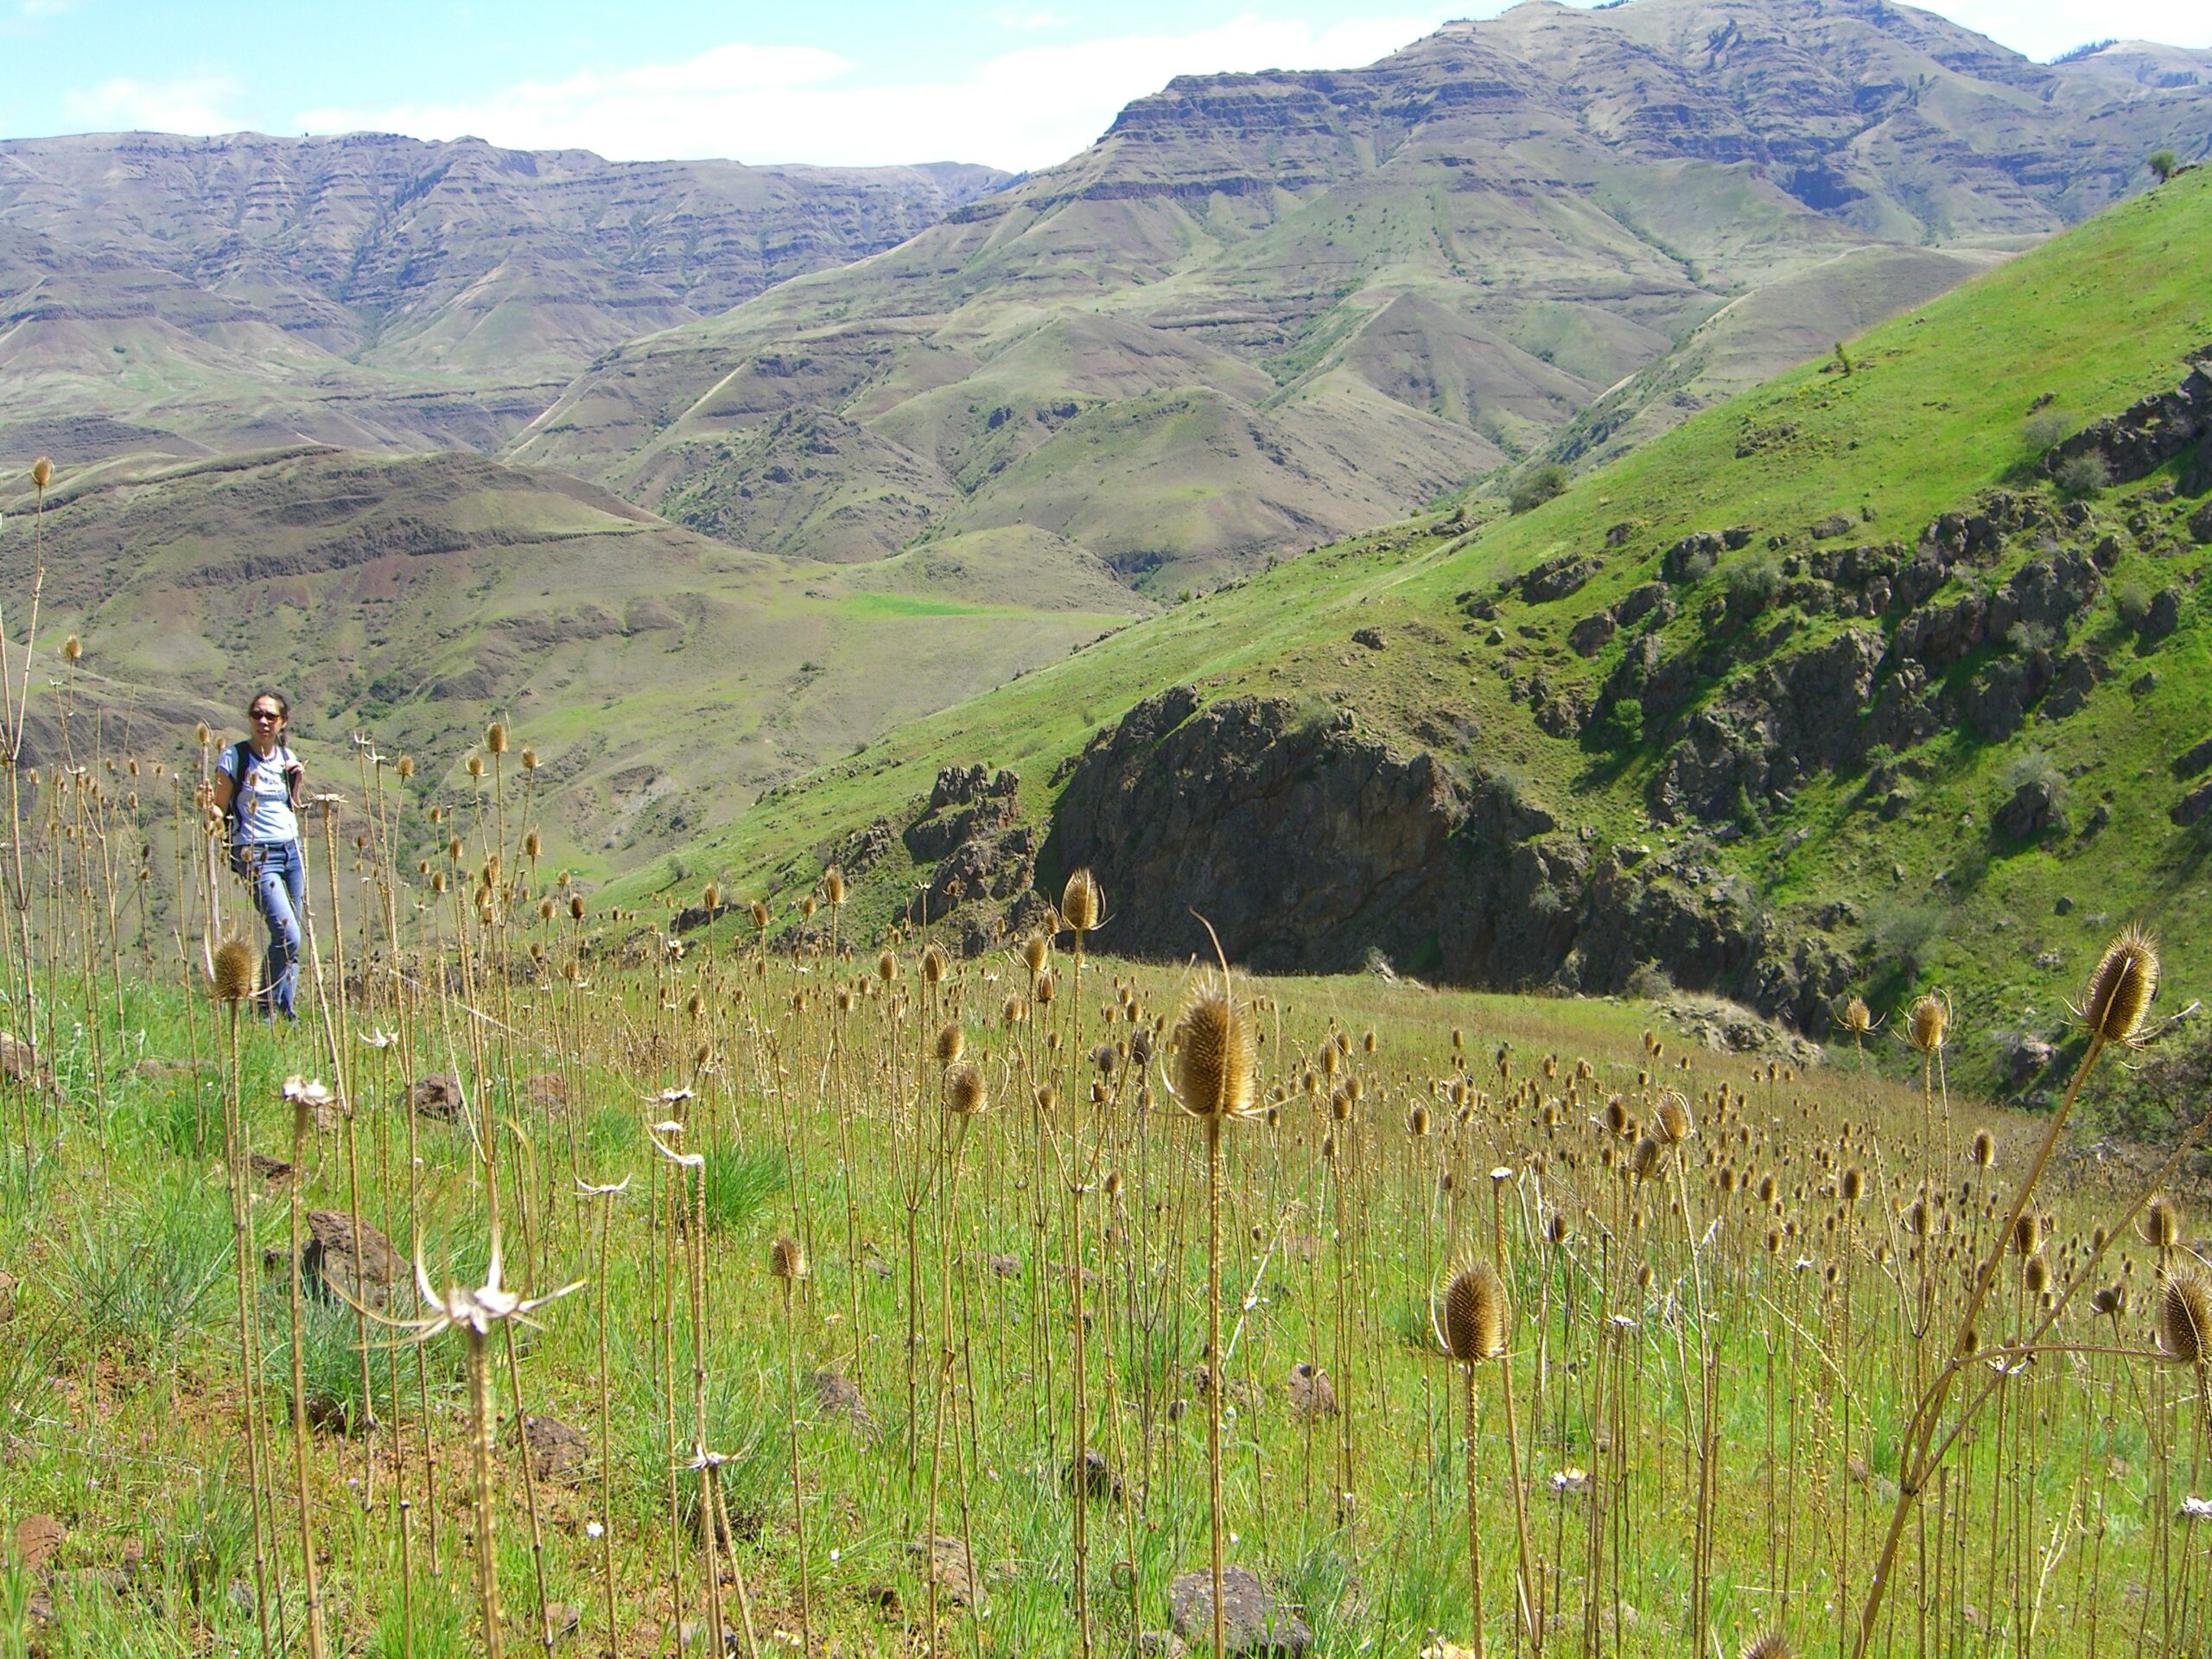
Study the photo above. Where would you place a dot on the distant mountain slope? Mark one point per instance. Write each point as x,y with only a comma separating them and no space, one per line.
1267,309
1858,682
667,677
376,289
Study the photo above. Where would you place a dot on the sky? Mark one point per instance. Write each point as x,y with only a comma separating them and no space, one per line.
1020,85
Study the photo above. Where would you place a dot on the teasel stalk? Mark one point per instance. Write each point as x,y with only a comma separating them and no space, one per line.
1531,1598
606,1195
1082,902
787,1266
2119,992
691,1172
13,709
233,984
306,1099
1216,1080
967,1097
1471,1325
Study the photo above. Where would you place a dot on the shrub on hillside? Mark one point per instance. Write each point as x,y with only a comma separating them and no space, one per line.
2083,474
1532,489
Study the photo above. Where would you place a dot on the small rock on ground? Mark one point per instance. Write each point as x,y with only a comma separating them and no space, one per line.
340,1260
1252,1624
1310,1392
438,1096
559,1452
839,1397
953,1567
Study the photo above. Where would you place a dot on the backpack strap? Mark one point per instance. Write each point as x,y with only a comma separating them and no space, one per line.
241,758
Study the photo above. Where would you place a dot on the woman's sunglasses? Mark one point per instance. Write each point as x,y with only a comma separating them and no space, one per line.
267,714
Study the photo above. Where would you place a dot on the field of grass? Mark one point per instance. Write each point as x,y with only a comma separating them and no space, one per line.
860,1246
1931,419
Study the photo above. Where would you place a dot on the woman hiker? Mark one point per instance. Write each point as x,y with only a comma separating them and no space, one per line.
258,789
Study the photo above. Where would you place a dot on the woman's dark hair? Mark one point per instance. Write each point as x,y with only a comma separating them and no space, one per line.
284,708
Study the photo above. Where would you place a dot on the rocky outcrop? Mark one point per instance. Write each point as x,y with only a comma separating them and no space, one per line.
985,856
2145,436
1307,845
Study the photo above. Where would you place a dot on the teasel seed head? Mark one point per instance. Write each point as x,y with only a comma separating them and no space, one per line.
2185,1315
1472,1319
1417,1122
1858,1018
1036,952
1045,989
576,907
1643,1162
530,760
405,767
1771,1644
2036,1275
495,737
952,1042
2027,1234
234,971
2161,1224
476,766
72,649
533,845
1216,1055
1082,901
759,915
1984,1151
934,964
1675,1124
1927,1024
1850,1186
887,966
833,885
787,1260
965,1092
2121,986
41,474
2110,1301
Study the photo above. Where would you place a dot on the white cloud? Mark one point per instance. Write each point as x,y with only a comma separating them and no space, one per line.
196,104
1027,108
2045,28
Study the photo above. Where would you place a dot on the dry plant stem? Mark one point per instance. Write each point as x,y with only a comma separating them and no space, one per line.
1213,1360
310,1574
234,1144
1918,1463
479,1464
1474,1529
799,1504
1529,1601
605,1446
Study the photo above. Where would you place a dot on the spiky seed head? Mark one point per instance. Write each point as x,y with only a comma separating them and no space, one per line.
1616,1116
2120,989
761,915
1012,1011
1675,1124
833,885
405,767
1557,1229
2161,1224
576,907
533,845
2110,1301
787,1260
1643,1162
495,737
807,906
2036,1275
887,966
41,474
2027,1235
1472,1322
72,648
952,1042
1858,1018
1984,1149
1771,1644
710,899
965,1091
1417,1122
1851,1186
544,911
530,760
2185,1315
1927,1024
1082,901
934,964
235,969
1046,989
476,766
1036,952
1216,1055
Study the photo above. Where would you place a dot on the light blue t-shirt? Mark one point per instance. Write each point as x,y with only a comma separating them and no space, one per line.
264,803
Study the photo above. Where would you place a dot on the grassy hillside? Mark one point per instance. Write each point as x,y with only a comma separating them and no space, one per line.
1933,417
663,677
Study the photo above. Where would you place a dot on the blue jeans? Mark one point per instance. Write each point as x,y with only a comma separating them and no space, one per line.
280,888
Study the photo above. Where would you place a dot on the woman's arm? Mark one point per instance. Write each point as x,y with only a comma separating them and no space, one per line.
227,790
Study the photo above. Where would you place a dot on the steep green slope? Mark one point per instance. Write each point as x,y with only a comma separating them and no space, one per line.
1831,687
